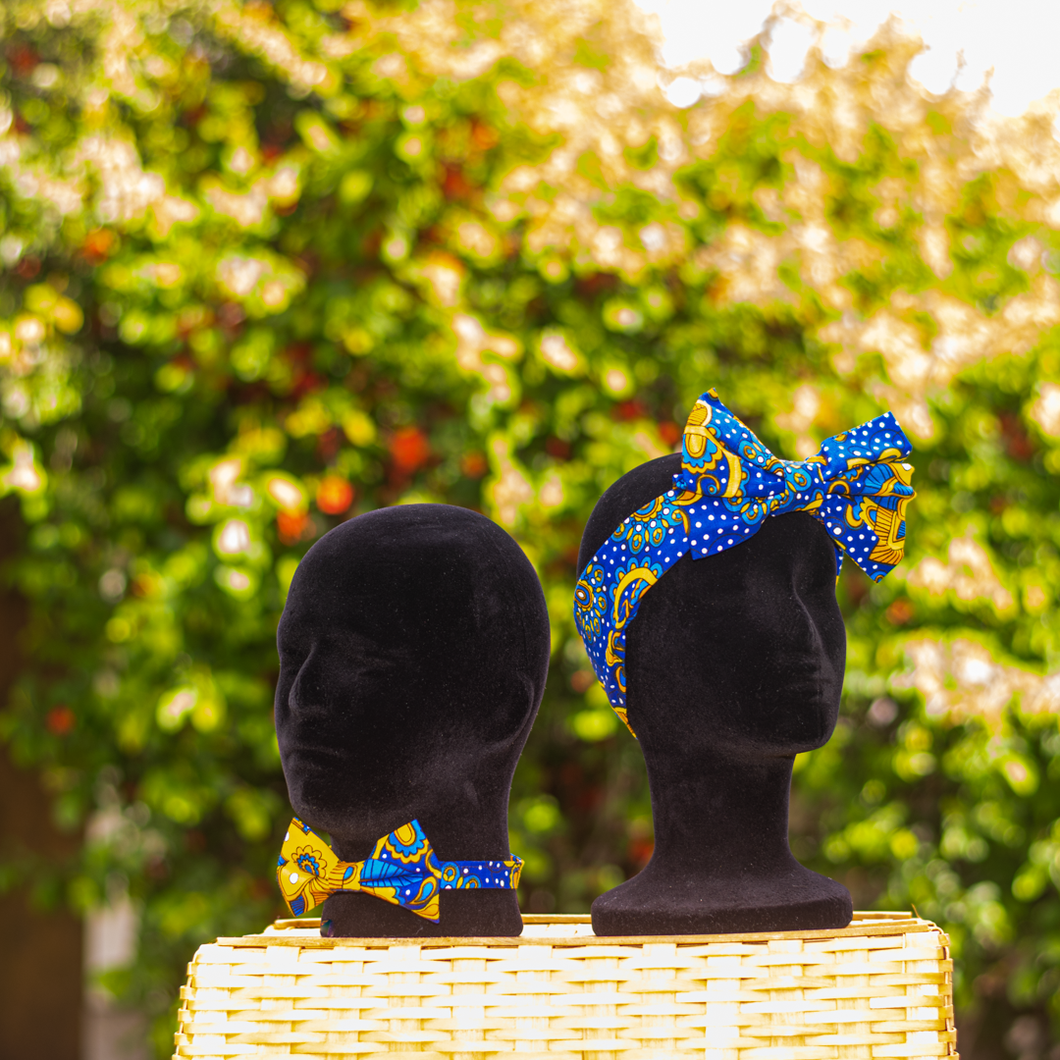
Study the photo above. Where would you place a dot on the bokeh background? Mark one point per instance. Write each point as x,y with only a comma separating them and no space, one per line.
267,265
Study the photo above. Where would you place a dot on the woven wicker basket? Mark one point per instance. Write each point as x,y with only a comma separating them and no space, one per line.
881,987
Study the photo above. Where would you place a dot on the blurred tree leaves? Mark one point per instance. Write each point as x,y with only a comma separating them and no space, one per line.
265,266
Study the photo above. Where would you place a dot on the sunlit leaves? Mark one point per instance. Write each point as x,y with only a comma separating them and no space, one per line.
268,266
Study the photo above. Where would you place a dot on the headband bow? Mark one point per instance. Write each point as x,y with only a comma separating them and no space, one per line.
858,486
402,870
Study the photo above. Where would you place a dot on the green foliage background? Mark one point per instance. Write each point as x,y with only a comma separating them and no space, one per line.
258,256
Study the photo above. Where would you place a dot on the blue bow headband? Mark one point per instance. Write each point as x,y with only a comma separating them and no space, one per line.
857,485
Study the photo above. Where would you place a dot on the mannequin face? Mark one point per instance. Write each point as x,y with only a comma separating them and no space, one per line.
742,652
374,704
413,651
340,701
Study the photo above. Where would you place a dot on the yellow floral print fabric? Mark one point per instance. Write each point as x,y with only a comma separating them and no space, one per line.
402,870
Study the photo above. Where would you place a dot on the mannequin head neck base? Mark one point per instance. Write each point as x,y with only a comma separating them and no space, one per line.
734,665
478,913
721,861
414,650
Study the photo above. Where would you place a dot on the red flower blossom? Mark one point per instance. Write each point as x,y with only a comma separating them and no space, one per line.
474,465
60,720
291,525
409,449
334,495
669,432
98,245
629,410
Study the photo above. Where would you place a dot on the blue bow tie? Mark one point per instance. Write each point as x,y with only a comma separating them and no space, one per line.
403,870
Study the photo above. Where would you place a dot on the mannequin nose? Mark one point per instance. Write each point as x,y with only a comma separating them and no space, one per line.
310,690
798,637
807,627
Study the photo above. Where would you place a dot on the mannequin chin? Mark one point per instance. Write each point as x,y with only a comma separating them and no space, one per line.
413,654
734,665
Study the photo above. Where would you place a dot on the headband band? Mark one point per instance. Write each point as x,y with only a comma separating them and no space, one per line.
858,486
403,870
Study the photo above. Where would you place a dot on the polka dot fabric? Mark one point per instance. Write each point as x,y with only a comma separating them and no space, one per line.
858,485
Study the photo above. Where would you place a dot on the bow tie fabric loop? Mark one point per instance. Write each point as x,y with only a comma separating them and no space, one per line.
858,485
402,869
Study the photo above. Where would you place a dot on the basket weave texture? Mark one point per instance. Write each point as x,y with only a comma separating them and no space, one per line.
881,987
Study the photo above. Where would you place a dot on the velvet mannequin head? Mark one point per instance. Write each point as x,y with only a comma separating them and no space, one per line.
413,654
734,665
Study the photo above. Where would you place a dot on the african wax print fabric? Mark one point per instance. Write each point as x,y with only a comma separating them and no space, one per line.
858,486
402,870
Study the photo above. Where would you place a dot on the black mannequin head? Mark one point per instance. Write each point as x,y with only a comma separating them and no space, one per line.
734,665
413,654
